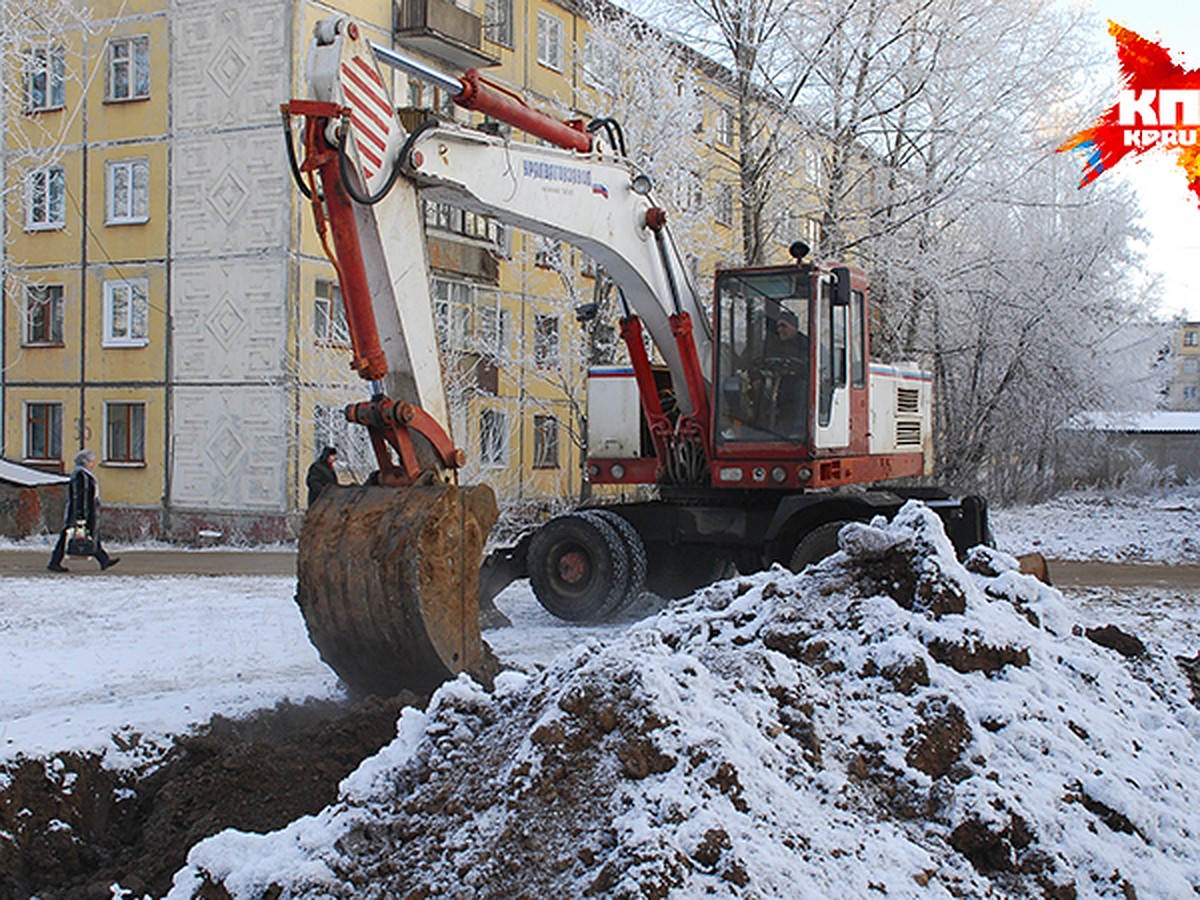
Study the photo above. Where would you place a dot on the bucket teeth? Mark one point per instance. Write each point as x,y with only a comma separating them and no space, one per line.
388,582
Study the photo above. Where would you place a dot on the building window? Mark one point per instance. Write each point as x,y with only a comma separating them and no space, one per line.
491,325
128,68
125,432
128,191
725,126
1190,338
329,313
44,314
468,224
46,195
545,342
602,64
724,209
1190,392
498,22
545,442
43,431
44,79
493,438
550,41
126,313
452,302
548,253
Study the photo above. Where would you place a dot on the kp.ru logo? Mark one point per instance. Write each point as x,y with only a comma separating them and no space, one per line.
1158,107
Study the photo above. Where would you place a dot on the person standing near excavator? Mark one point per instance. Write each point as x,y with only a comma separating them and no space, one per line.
321,474
83,505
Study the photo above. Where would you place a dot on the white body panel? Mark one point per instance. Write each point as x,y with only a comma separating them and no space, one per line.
614,420
902,411
585,200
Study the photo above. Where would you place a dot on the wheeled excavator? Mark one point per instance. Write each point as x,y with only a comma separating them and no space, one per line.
762,426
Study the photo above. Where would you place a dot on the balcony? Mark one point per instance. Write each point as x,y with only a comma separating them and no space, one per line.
441,30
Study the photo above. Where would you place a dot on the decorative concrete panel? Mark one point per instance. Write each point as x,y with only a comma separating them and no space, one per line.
230,63
229,448
230,320
230,193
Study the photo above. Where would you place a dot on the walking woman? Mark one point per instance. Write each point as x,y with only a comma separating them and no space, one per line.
83,505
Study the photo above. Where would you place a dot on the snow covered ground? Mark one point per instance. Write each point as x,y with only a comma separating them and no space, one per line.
117,665
1163,526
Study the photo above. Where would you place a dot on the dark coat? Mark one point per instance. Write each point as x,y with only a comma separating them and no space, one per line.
82,505
320,476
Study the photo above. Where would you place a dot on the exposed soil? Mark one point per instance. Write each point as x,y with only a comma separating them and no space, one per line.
69,828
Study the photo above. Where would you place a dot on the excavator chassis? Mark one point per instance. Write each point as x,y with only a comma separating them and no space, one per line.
388,583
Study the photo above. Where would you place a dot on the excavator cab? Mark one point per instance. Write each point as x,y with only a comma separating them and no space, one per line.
764,358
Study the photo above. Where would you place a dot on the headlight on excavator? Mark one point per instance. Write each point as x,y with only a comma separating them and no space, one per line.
617,471
779,474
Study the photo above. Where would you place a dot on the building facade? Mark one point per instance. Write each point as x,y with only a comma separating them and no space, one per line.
1183,392
168,301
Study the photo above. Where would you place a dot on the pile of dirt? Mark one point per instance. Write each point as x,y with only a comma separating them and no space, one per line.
70,828
889,722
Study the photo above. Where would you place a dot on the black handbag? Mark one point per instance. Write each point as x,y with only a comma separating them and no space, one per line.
79,542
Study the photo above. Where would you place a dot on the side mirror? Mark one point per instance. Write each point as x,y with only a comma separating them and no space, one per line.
841,292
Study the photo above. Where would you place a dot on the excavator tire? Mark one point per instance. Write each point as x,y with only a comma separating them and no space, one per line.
388,582
635,549
579,568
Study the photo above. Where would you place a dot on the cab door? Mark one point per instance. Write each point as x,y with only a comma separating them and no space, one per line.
832,394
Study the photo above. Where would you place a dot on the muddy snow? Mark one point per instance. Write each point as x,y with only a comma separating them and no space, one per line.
888,722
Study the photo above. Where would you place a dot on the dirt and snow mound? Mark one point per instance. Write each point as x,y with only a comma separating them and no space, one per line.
889,720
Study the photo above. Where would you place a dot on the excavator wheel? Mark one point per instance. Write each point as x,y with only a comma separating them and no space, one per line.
635,549
388,582
819,543
579,567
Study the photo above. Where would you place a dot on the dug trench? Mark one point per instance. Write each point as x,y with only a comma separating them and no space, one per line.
70,828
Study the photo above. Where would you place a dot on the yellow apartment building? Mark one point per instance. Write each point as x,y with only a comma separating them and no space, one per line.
1183,392
168,302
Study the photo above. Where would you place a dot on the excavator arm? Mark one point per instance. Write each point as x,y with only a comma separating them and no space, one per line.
388,574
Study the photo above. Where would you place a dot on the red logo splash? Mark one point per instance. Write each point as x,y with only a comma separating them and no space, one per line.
1159,106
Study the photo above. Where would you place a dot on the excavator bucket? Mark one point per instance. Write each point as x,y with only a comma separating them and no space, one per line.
389,584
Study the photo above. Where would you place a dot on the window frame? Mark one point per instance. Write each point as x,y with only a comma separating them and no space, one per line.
137,79
547,342
724,127
53,179
134,455
133,212
331,328
545,442
52,297
723,205
498,29
110,338
493,438
49,63
53,428
550,34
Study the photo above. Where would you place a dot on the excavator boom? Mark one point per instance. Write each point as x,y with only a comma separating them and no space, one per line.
388,573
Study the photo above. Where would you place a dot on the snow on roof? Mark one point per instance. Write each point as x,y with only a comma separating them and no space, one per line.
1158,420
15,473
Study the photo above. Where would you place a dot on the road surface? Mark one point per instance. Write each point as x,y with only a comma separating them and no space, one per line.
283,562
156,562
